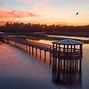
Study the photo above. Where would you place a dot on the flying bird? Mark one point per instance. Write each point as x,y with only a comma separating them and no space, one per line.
77,13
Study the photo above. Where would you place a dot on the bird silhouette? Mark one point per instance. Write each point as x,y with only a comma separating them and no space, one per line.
77,13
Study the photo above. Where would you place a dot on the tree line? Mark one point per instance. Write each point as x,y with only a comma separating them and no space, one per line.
48,29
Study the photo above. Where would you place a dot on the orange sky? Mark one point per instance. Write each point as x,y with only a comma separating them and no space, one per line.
45,11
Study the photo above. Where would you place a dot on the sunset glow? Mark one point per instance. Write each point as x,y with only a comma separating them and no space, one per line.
45,11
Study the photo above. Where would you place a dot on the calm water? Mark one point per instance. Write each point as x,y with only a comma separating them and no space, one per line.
73,37
19,70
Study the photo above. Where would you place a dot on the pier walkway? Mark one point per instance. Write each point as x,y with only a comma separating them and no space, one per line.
32,43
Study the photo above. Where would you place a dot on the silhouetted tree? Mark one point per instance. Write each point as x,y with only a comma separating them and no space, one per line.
51,29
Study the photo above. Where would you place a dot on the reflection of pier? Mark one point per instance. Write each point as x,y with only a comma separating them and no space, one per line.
67,60
67,79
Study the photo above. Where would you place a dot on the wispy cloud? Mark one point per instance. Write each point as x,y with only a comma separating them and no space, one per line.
16,14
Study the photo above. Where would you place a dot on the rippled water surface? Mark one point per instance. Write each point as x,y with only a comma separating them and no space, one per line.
19,70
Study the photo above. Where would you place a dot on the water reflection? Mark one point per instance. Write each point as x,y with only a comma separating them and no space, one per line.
25,72
72,37
67,79
42,55
18,70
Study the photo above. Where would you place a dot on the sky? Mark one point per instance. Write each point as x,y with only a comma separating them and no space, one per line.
45,11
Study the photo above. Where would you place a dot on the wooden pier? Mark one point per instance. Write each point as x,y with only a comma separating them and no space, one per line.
66,53
65,57
32,43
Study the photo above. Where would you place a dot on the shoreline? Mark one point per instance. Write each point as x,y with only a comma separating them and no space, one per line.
46,37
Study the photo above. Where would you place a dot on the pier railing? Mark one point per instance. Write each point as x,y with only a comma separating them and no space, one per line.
41,46
37,45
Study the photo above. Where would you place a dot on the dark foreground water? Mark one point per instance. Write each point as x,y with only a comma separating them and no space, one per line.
19,70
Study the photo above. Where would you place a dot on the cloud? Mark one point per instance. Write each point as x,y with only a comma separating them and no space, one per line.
16,14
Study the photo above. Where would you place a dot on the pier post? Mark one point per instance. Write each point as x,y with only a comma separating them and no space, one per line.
36,52
29,50
40,53
50,58
32,50
44,56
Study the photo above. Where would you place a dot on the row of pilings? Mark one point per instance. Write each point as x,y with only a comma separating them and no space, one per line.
37,52
67,72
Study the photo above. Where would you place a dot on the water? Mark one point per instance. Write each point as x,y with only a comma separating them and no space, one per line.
72,37
19,70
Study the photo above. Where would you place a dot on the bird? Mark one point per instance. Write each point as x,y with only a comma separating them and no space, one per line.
77,13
